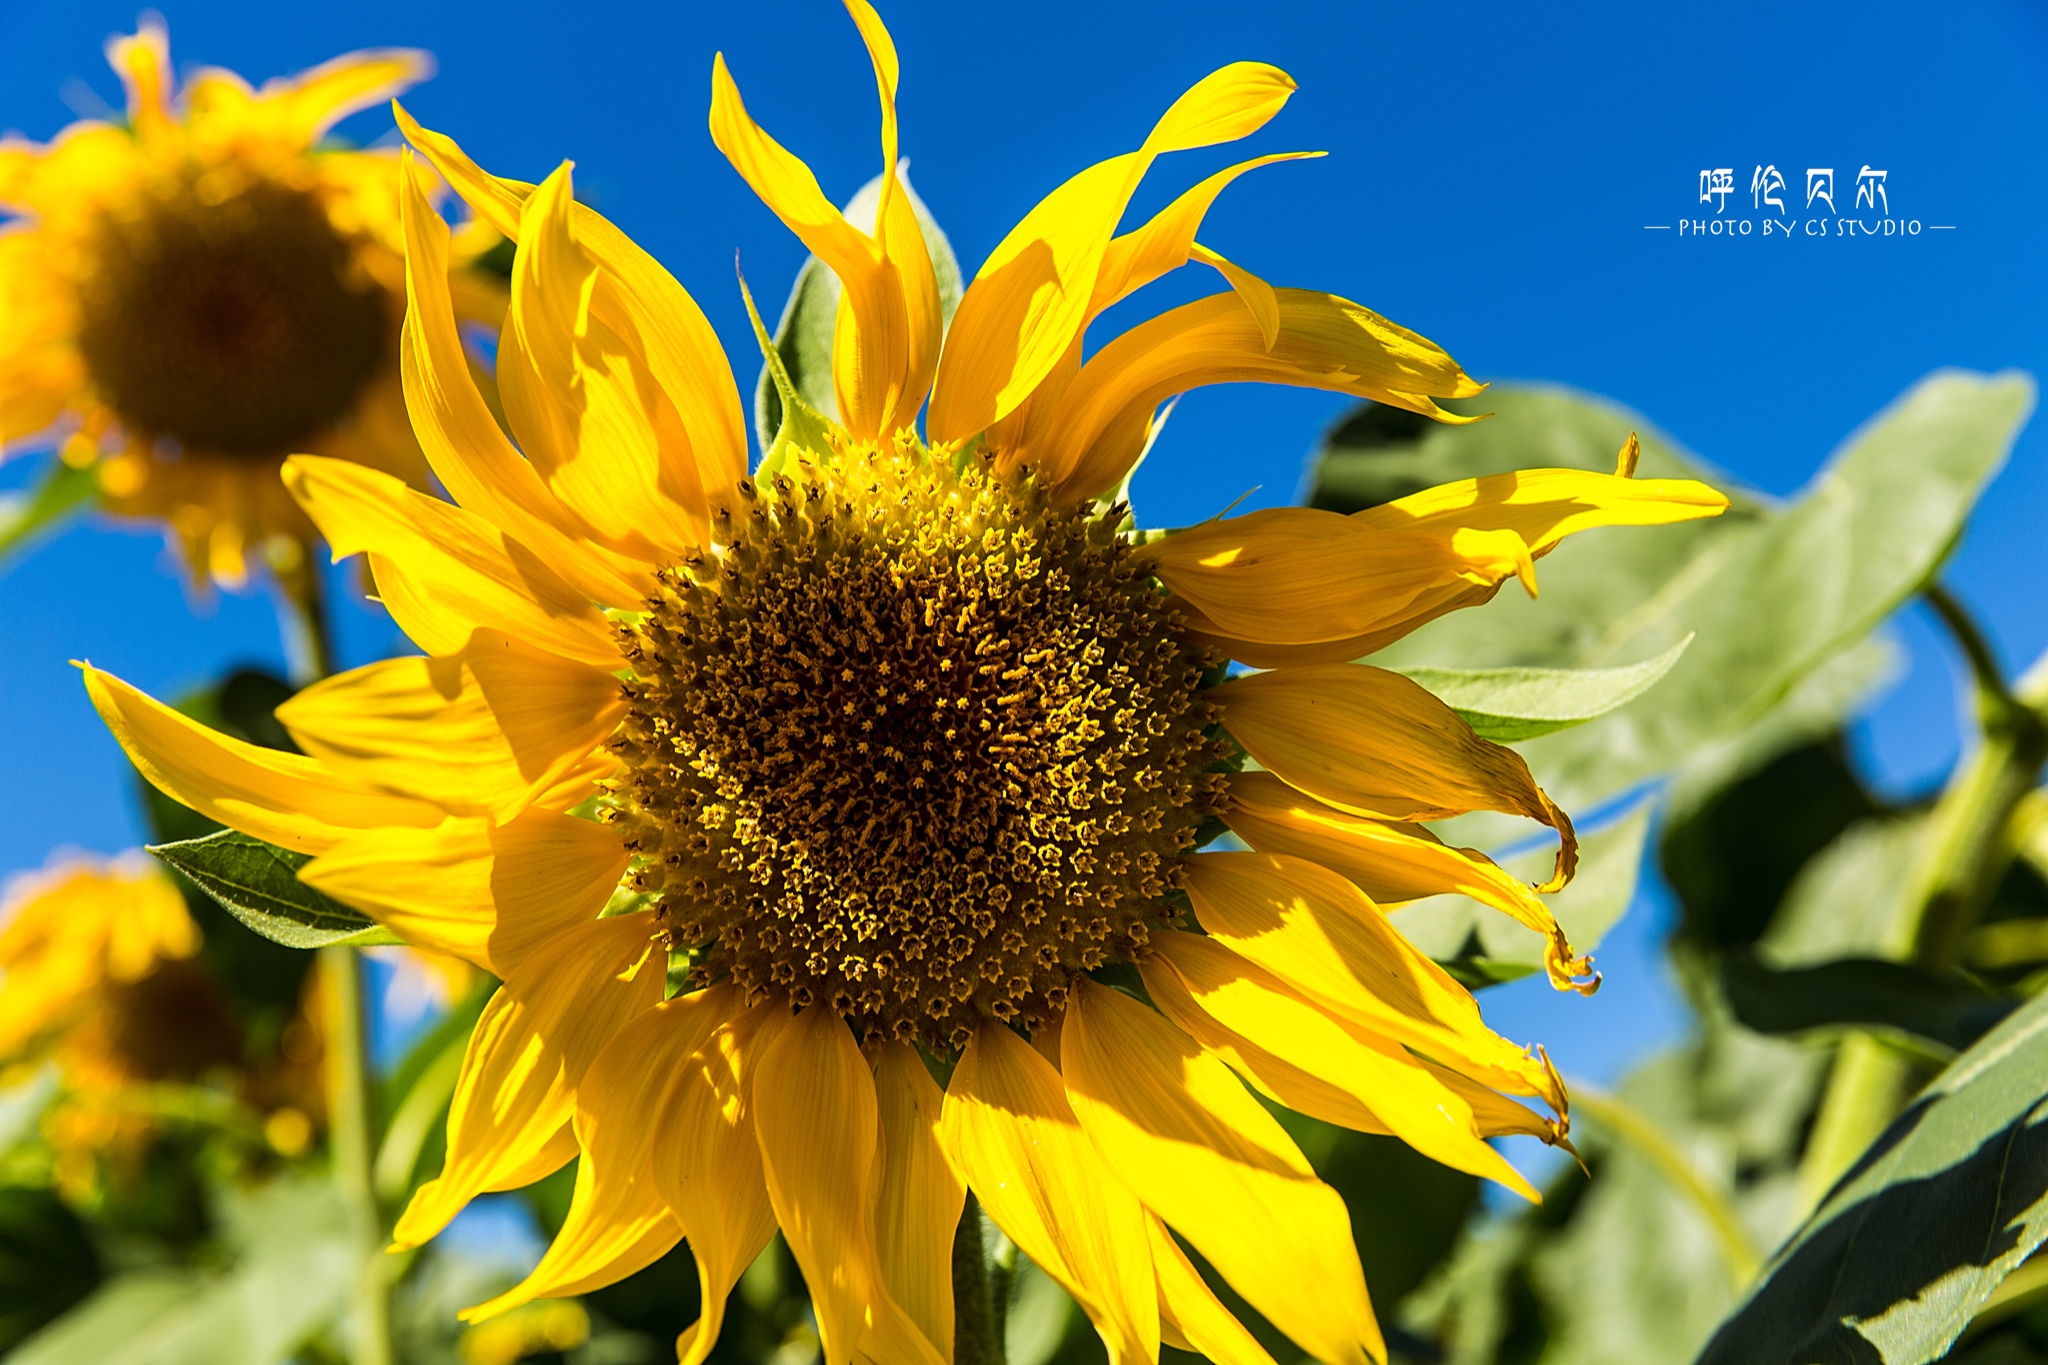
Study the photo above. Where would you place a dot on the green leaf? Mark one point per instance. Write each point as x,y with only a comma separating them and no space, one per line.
1943,1206
1509,704
1946,1009
803,337
64,490
258,884
293,1261
1775,594
1484,947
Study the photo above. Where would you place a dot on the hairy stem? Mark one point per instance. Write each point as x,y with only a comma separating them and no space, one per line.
980,1299
348,1116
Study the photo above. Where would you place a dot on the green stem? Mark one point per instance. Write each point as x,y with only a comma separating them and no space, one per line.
348,1117
977,1314
1964,852
1640,1134
309,631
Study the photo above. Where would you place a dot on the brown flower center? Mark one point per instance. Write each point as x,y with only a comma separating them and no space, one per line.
237,325
918,745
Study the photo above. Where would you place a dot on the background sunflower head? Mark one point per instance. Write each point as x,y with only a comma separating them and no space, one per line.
206,287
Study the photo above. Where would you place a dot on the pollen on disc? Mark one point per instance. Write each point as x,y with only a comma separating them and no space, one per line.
918,745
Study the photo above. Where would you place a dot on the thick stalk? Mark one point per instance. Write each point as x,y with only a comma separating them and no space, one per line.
977,1317
349,1143
1966,849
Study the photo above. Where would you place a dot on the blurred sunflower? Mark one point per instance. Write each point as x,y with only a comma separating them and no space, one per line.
100,974
899,755
204,289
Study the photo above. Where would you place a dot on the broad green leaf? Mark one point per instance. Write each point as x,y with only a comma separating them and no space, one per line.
292,1266
1484,947
1945,1204
1947,1009
1774,594
258,884
803,337
63,490
1509,704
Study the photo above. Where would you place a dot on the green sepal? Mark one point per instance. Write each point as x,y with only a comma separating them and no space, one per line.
258,884
803,337
1509,704
799,426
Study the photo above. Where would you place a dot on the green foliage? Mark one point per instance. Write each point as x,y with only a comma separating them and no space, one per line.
1948,1201
1774,594
63,491
1510,704
47,1261
803,337
258,884
289,1264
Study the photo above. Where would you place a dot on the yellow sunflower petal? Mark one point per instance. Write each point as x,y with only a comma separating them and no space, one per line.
462,440
1190,1315
1030,299
1215,995
815,1117
1373,743
474,889
1393,861
1010,1131
617,1213
288,799
1318,933
1322,342
1167,240
582,401
707,1165
1301,576
1179,1130
317,99
888,304
617,1225
143,62
444,572
637,298
484,730
538,1035
918,1204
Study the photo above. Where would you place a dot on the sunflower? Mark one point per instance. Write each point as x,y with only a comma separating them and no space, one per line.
202,290
836,830
100,976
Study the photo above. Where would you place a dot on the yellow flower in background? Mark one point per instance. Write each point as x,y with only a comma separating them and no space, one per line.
97,974
199,292
75,930
901,755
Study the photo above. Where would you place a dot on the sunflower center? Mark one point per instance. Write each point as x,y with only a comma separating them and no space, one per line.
235,325
918,745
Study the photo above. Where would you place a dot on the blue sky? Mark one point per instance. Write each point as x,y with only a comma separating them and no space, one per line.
1491,174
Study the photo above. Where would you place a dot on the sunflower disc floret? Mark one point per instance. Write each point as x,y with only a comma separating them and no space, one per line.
920,745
